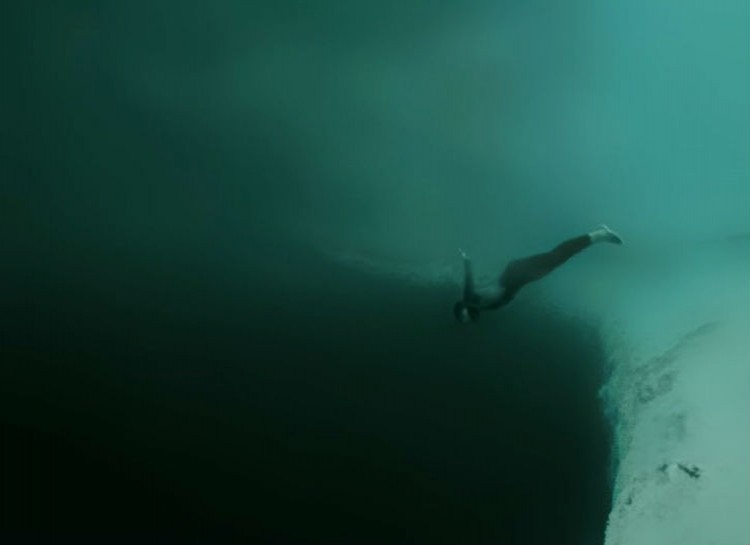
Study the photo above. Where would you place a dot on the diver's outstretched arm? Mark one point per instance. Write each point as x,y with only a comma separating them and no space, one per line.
469,293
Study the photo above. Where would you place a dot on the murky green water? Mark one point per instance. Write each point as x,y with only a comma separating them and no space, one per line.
184,356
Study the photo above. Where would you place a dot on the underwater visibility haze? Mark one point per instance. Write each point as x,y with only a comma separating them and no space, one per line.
230,240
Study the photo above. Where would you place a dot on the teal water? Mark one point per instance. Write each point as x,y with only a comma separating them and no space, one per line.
186,357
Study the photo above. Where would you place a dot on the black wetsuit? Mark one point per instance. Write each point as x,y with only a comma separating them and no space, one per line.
518,273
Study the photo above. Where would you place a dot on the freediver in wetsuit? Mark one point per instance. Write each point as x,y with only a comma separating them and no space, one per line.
520,272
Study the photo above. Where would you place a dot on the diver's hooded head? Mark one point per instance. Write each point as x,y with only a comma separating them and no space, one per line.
465,313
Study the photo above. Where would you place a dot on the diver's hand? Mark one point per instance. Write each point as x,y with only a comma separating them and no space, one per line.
463,254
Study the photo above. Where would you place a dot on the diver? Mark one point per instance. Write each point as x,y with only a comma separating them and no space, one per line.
520,272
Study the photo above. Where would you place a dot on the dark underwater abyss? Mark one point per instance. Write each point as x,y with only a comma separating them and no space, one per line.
178,366
219,407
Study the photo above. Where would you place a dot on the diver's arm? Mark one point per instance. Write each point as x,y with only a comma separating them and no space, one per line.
469,291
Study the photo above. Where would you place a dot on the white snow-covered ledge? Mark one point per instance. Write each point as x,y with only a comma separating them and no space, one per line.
678,398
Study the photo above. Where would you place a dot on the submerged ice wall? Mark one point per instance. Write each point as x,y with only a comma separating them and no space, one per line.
678,397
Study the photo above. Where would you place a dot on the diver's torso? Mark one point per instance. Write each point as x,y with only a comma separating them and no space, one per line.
486,292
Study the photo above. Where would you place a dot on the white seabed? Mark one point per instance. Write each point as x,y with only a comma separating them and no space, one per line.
677,331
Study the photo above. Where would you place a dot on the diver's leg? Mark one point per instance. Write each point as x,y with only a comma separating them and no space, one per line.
604,234
523,271
565,250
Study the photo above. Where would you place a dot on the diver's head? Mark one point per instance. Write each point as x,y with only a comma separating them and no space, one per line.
465,313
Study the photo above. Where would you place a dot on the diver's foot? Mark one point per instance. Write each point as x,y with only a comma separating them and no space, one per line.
605,234
463,254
